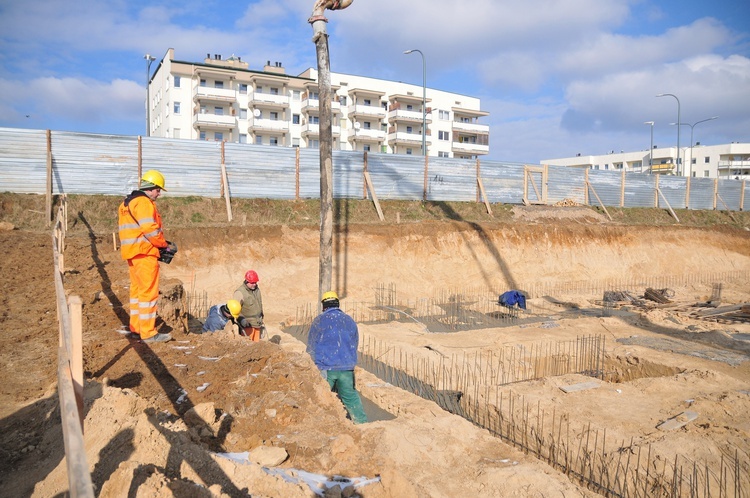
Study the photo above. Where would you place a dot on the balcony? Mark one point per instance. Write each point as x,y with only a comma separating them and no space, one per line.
204,95
370,111
271,125
268,99
402,115
314,105
313,130
216,121
459,126
364,135
470,148
404,138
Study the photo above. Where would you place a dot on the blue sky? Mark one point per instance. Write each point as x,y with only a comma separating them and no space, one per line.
559,77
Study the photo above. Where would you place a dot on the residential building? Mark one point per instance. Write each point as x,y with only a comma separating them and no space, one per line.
706,161
223,99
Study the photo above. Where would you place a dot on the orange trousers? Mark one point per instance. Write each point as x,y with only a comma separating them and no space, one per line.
144,293
253,333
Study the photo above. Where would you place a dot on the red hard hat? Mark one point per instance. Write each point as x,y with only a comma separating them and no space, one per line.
251,277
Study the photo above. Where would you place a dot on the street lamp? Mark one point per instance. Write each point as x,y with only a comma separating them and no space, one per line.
691,136
424,100
651,150
678,128
149,60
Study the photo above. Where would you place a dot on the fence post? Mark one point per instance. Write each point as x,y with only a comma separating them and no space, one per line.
716,191
742,195
75,308
687,193
656,190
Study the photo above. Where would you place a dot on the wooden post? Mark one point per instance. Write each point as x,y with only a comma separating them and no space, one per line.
589,186
364,173
716,191
687,193
75,307
48,200
225,184
742,195
114,241
368,182
586,181
296,173
656,191
478,182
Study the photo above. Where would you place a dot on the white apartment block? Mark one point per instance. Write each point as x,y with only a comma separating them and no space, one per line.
222,99
727,161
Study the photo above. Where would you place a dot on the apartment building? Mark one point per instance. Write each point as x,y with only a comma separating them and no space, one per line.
224,100
727,161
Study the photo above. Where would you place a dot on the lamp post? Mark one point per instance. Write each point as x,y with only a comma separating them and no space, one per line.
692,126
424,99
149,60
678,128
651,150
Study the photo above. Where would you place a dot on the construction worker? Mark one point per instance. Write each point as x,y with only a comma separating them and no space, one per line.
332,343
141,239
248,294
221,314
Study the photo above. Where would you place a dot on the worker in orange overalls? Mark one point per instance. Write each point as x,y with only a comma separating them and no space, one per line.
141,239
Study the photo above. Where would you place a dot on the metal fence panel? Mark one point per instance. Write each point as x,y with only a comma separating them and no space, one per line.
260,171
397,177
348,176
23,161
190,167
673,189
607,185
451,179
701,193
91,164
503,182
566,183
309,173
731,195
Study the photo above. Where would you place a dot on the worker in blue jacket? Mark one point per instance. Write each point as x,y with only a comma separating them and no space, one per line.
332,343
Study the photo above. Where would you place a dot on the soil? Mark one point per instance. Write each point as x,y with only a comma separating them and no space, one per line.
158,415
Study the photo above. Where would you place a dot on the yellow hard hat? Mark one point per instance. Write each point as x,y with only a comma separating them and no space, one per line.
329,295
153,176
234,307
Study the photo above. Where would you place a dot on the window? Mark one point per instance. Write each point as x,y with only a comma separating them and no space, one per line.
384,149
705,173
202,135
203,82
218,84
408,152
464,119
295,118
218,136
366,125
259,89
274,116
409,107
295,142
314,119
368,102
243,88
259,139
219,111
203,109
243,138
342,100
313,144
176,107
243,113
692,160
444,115
313,96
693,175
366,147
409,129
274,91
444,135
707,160
176,133
274,140
443,154
177,82
296,97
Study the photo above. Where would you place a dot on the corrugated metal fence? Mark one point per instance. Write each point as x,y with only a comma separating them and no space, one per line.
83,163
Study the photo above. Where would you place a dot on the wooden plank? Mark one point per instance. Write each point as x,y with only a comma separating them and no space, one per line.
677,421
598,199
374,196
668,206
484,196
721,310
582,386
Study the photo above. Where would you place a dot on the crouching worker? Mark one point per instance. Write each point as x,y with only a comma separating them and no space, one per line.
221,314
332,343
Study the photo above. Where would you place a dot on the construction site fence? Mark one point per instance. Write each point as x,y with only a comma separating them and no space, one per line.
57,162
70,368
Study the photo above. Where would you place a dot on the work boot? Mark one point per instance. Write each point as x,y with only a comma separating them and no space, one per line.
158,338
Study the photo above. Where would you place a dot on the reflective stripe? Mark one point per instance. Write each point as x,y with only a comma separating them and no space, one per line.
147,304
132,241
129,226
153,234
146,220
147,316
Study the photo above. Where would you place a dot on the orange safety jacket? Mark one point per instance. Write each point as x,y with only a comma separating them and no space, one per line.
140,227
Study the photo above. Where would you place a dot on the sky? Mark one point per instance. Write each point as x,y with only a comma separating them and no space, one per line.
558,77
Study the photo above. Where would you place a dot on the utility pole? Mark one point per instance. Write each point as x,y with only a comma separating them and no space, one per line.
320,39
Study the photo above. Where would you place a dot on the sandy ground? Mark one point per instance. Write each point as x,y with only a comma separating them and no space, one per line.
150,430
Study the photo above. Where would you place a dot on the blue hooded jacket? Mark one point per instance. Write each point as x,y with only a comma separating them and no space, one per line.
216,320
332,341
